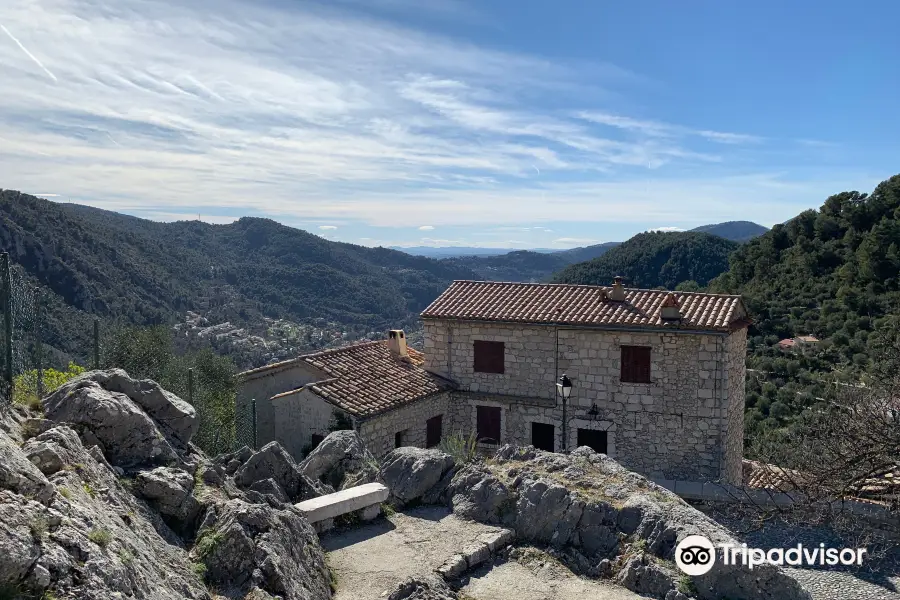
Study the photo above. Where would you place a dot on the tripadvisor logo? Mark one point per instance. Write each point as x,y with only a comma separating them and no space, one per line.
696,555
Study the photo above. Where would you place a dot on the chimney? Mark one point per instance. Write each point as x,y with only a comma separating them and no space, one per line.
670,310
397,343
617,293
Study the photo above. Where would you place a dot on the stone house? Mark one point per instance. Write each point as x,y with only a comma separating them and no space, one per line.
657,378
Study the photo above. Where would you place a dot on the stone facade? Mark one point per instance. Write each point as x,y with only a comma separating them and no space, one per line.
300,415
379,432
262,385
686,424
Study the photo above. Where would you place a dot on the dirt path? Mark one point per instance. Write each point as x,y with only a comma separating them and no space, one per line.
371,560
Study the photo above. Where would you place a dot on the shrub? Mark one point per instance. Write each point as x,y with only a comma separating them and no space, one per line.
26,384
101,537
463,449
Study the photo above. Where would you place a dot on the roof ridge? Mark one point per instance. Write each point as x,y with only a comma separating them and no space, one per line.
591,287
340,349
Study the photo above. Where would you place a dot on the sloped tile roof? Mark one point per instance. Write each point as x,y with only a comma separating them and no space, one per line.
584,305
366,379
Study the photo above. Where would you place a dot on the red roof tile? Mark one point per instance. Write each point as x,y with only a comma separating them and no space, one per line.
585,305
366,379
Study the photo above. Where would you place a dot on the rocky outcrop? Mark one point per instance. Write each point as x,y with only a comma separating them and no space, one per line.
341,461
255,546
422,588
607,521
273,462
410,473
109,499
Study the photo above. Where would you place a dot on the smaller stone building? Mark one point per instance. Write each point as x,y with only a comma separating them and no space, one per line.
379,388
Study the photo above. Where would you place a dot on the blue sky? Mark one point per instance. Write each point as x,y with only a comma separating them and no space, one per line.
446,122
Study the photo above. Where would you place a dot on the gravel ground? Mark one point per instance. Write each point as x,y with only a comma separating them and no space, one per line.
369,561
876,581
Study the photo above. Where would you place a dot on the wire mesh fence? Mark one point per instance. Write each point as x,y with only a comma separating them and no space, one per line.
200,377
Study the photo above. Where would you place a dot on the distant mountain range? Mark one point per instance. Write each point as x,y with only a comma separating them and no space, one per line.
540,264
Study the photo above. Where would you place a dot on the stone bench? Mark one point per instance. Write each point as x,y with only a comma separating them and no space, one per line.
366,499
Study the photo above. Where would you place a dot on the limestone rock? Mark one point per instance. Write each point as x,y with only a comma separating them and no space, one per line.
547,513
53,450
171,493
19,475
644,576
273,462
476,494
342,461
422,588
257,546
270,487
411,472
126,434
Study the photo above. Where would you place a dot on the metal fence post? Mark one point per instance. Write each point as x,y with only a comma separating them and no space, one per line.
96,343
8,323
39,348
253,413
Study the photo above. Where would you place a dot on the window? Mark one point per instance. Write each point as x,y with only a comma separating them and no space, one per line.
433,430
398,439
542,436
488,424
489,357
593,439
635,364
316,440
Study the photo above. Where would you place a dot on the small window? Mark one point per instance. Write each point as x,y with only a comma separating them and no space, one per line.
433,431
316,440
488,424
635,364
542,436
489,357
593,439
398,439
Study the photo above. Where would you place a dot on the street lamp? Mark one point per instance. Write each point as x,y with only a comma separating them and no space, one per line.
564,389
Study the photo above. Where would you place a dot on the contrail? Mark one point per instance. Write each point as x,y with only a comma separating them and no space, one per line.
30,55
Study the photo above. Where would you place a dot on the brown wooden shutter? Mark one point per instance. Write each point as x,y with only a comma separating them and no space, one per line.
488,424
490,357
635,364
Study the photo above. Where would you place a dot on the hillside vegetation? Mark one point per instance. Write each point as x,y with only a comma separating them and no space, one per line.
655,259
833,273
736,231
142,272
527,265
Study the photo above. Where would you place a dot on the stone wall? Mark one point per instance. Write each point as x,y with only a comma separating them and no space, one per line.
379,432
736,375
675,427
265,384
298,417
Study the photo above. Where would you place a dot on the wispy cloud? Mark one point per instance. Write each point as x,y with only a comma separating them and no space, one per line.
426,228
665,130
29,54
310,113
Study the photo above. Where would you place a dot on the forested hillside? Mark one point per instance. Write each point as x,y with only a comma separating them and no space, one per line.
527,265
833,273
655,259
141,272
736,231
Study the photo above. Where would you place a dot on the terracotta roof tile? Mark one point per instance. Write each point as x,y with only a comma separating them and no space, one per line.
366,379
586,305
